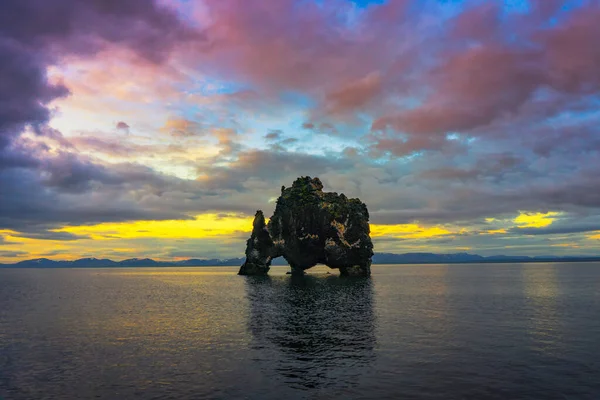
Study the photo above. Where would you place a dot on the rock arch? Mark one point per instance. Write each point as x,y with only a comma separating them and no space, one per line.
311,227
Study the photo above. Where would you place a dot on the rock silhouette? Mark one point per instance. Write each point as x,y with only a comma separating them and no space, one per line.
311,227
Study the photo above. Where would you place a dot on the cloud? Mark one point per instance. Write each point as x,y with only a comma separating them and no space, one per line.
182,128
562,225
26,92
556,230
3,241
493,166
40,189
433,113
123,126
68,189
123,148
305,48
465,98
100,145
494,66
274,135
12,254
535,220
398,146
69,27
354,95
278,143
257,166
51,235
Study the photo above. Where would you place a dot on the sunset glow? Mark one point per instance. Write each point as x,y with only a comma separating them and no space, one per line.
462,125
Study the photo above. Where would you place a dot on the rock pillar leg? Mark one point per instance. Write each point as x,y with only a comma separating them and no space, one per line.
259,249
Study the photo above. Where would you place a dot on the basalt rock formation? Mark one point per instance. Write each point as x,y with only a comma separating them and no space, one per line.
311,227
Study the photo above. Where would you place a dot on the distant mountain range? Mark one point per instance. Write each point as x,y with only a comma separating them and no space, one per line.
378,258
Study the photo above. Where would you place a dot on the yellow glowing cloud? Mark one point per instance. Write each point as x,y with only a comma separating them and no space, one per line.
98,240
202,226
494,232
409,231
159,236
535,220
211,225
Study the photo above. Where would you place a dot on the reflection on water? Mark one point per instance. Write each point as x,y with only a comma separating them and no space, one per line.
496,332
540,283
312,331
120,333
542,292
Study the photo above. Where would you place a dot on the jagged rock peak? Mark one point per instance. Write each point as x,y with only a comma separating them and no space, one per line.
311,227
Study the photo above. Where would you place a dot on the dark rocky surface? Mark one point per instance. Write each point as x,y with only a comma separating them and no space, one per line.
311,227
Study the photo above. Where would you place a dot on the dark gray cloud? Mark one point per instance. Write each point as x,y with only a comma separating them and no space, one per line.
12,254
556,230
274,134
494,166
58,252
50,235
64,188
71,190
25,90
268,166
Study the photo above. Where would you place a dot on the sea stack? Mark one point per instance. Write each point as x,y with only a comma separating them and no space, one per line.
311,227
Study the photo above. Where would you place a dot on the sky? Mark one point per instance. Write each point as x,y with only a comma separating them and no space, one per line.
136,128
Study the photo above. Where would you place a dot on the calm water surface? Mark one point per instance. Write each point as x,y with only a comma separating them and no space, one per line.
503,331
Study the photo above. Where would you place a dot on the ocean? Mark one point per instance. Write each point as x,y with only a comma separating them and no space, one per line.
488,331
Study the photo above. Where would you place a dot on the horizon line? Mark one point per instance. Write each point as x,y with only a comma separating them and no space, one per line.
497,257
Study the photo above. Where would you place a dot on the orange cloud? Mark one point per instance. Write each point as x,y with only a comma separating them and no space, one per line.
181,127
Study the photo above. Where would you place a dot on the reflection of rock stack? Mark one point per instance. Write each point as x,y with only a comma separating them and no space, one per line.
312,331
311,227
